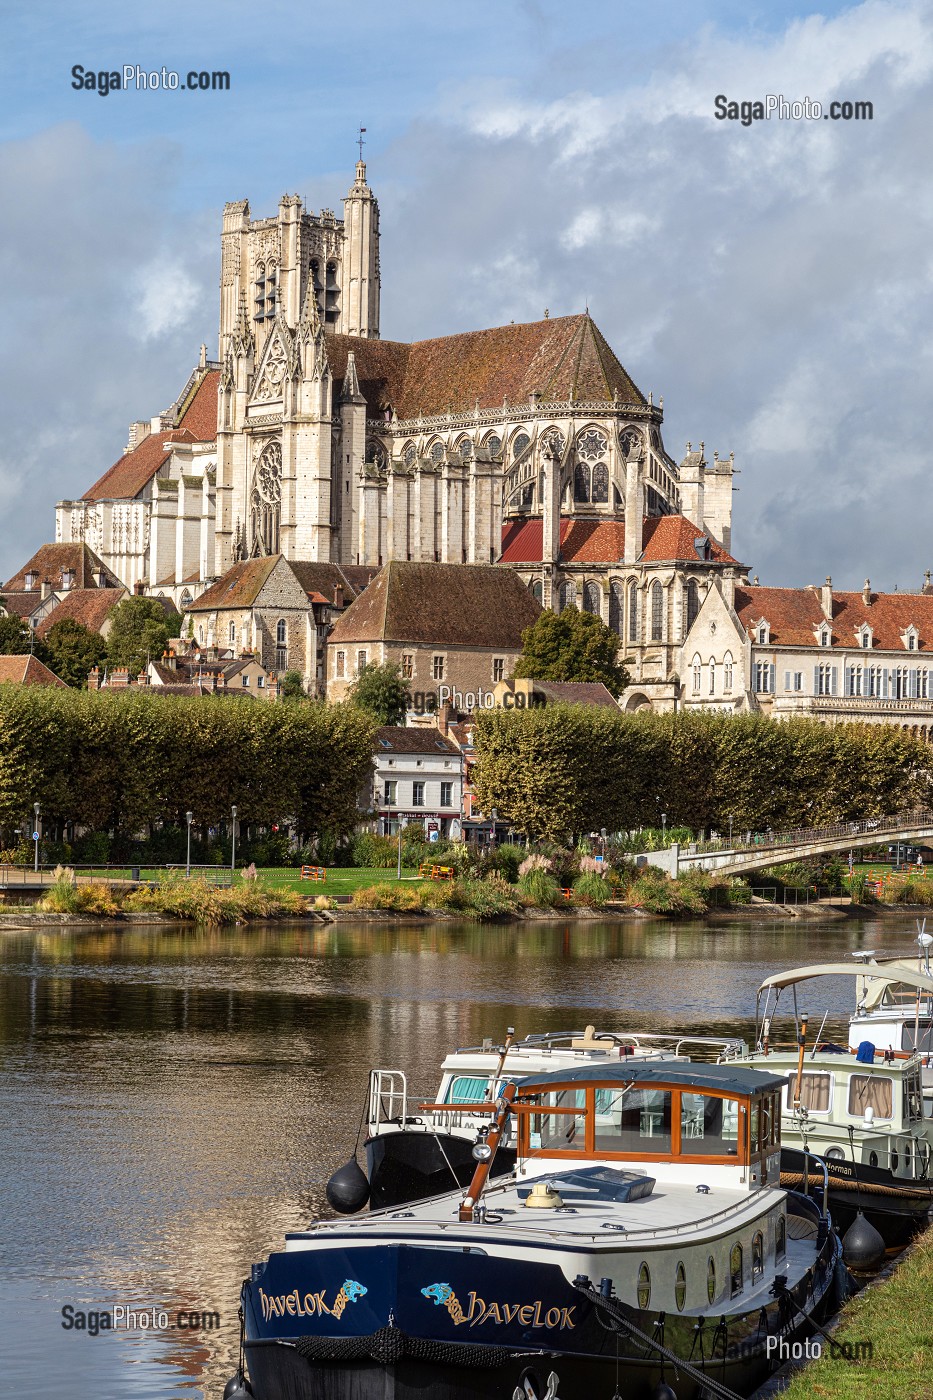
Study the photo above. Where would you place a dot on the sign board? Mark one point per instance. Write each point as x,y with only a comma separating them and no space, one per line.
434,835
35,836
434,826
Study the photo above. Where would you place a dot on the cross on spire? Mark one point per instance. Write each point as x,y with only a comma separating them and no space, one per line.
360,142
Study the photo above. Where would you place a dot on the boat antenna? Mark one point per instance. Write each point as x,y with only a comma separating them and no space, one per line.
819,1035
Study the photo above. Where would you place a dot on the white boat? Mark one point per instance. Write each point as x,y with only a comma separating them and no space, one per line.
642,1240
412,1153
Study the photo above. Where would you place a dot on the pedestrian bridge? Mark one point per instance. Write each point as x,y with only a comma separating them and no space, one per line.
755,852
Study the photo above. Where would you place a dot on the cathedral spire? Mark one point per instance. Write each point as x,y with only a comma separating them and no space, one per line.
242,330
309,325
351,393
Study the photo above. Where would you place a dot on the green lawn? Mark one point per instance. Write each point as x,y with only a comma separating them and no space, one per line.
340,879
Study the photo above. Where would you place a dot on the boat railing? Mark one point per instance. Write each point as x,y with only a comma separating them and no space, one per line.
716,1048
388,1096
904,1154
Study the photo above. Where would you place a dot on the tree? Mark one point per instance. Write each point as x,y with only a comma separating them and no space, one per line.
16,639
139,633
382,692
293,686
572,646
72,650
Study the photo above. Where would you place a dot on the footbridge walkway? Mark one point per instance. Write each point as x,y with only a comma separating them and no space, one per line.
739,857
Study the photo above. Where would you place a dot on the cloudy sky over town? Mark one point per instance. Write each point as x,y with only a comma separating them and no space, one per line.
773,281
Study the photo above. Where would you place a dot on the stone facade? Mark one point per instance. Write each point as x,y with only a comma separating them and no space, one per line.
260,607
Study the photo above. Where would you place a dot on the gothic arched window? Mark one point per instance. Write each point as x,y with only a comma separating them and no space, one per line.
616,607
657,612
591,599
265,502
493,444
600,493
693,602
437,452
537,591
581,483
633,611
519,444
281,632
567,596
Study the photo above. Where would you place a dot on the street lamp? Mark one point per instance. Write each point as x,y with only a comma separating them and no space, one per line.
402,823
233,845
35,833
189,818
663,828
602,832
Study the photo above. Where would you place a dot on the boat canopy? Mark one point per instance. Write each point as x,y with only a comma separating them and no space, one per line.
727,1078
870,972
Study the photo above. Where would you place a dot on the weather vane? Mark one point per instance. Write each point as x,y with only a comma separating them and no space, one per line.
361,141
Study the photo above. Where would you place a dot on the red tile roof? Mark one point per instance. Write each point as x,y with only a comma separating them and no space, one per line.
794,615
21,604
27,670
576,692
667,537
89,606
445,605
239,587
423,739
131,472
50,560
561,359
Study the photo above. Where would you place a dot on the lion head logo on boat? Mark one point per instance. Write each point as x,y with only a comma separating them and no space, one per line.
353,1290
440,1292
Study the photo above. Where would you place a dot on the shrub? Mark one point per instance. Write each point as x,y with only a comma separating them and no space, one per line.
93,848
589,865
385,896
372,852
490,898
62,897
538,889
857,885
591,890
508,859
533,862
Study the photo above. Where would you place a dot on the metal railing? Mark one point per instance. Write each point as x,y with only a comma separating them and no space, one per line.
874,828
24,876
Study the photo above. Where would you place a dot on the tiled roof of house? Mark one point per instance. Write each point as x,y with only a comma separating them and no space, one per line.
794,616
576,692
323,578
665,537
21,604
89,606
50,560
131,472
27,670
423,739
446,605
239,587
359,576
563,358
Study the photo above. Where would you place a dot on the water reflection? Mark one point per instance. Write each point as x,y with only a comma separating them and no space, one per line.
172,1102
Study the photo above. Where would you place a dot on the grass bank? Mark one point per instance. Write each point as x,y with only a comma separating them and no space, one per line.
894,1318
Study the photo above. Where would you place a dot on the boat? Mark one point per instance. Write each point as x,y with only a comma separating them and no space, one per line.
642,1246
857,1107
412,1153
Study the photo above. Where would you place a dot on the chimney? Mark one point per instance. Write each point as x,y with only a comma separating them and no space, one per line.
93,680
826,599
119,679
142,678
728,586
138,588
46,588
866,592
446,716
338,595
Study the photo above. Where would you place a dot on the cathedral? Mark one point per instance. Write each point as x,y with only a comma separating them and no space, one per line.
311,437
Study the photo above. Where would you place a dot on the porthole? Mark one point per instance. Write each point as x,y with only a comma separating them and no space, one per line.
711,1278
644,1286
873,1159
835,1154
758,1255
680,1287
894,1161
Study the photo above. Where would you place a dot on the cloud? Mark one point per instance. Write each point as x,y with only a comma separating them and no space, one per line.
772,281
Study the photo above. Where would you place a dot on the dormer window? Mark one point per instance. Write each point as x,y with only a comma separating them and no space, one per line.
911,638
864,636
824,637
32,578
763,633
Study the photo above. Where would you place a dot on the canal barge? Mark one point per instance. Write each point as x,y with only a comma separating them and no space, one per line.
413,1153
641,1246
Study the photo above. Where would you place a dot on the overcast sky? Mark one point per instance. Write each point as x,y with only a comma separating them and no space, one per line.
772,282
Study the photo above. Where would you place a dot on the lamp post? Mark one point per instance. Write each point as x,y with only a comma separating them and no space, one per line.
233,845
602,832
493,817
189,818
663,828
402,823
35,832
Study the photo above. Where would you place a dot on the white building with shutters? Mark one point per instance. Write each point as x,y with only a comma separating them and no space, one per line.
832,656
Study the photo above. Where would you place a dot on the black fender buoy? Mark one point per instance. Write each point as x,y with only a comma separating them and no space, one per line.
862,1245
238,1388
348,1189
662,1391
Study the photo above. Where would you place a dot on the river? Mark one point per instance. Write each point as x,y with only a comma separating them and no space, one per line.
171,1102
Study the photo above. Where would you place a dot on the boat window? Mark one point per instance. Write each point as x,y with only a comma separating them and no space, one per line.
467,1088
754,1124
644,1286
708,1126
680,1287
736,1269
560,1132
758,1255
711,1278
872,1091
780,1239
815,1091
913,1097
910,1040
635,1120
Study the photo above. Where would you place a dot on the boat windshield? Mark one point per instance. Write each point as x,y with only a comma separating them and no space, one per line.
629,1120
467,1088
709,1126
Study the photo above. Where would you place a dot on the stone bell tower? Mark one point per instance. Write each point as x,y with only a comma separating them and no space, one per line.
359,266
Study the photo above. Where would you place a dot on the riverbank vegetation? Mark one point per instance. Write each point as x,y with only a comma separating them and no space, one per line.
175,897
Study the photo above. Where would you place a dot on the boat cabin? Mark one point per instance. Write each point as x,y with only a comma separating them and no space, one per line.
681,1119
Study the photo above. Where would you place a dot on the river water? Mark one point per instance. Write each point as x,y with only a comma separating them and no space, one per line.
172,1102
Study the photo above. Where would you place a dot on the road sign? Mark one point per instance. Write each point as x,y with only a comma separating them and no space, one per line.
434,835
35,836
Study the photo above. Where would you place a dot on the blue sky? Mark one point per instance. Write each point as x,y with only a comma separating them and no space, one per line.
772,282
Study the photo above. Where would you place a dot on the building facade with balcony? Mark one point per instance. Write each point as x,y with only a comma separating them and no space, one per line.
833,656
